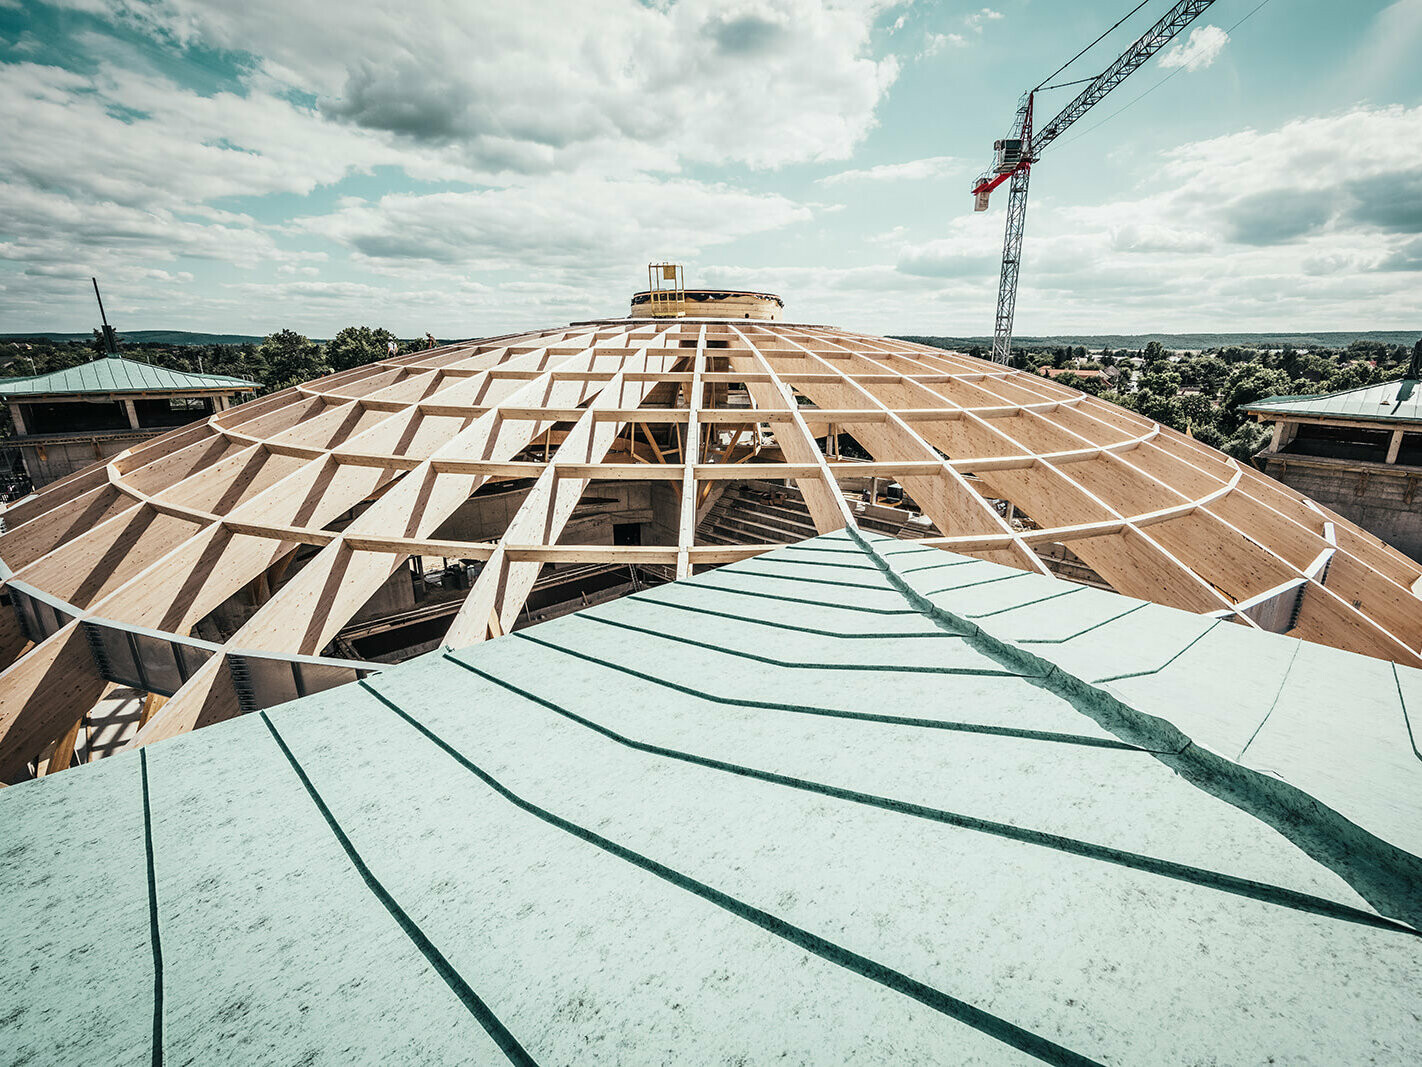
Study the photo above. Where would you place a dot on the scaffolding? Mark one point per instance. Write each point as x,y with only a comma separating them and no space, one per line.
666,290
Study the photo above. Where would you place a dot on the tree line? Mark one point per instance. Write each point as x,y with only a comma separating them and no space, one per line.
279,361
1200,393
1194,392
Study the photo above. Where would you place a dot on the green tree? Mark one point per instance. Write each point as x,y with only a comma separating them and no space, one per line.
357,345
1207,373
1161,382
1081,384
1209,435
1163,409
1372,351
1312,368
1198,412
1352,376
1250,382
290,359
1246,440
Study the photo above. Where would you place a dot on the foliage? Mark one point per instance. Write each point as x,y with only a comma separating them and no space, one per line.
291,359
358,345
1076,381
281,360
1200,392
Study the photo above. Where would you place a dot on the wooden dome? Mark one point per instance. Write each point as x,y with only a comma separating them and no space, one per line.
110,569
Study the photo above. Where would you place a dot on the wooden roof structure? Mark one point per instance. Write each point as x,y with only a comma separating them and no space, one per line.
366,464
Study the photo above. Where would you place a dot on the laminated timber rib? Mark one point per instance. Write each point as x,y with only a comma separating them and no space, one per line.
160,536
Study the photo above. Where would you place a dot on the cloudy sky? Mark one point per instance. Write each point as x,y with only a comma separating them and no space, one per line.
477,166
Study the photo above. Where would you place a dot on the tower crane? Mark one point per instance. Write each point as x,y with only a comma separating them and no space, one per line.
1014,155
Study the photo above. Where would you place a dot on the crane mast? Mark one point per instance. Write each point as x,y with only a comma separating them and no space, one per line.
1015,154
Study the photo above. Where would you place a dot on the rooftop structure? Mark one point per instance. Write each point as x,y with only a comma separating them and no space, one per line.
66,420
1358,451
853,800
114,376
513,453
717,303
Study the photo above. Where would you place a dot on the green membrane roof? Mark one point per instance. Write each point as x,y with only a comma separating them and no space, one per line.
854,800
1399,401
114,374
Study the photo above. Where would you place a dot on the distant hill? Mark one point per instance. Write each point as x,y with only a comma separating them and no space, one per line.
1088,340
1187,341
152,337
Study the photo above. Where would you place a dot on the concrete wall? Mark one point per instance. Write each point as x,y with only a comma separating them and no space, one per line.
51,460
666,515
395,596
1384,499
481,518
487,516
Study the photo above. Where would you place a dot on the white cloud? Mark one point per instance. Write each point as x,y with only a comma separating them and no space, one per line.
553,127
971,250
975,20
1155,237
1388,50
911,170
136,139
567,147
764,83
1329,235
1202,48
936,42
599,224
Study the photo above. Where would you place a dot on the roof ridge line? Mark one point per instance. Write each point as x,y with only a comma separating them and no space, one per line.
1382,873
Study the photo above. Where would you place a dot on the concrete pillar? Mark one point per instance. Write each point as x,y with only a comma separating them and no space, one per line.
1284,432
1393,446
221,403
18,419
132,413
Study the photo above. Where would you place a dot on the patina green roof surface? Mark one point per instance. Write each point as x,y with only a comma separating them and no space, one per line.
851,801
1399,401
114,374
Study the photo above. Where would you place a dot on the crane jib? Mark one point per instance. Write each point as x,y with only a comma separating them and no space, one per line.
1151,42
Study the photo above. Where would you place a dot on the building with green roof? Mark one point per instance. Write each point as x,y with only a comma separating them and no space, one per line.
1358,452
68,419
854,800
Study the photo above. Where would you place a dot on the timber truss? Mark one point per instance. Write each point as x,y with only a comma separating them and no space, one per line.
110,570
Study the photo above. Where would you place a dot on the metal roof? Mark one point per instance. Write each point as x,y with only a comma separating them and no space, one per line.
853,799
1399,401
114,374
